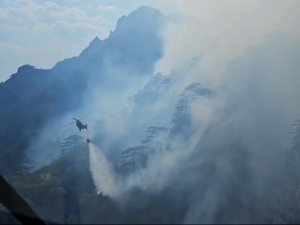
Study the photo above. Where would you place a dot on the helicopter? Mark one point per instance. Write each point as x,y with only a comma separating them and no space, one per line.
79,124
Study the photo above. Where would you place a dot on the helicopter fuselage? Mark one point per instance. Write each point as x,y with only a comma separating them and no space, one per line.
80,125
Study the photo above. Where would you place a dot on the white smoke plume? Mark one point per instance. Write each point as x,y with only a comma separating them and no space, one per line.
251,54
224,29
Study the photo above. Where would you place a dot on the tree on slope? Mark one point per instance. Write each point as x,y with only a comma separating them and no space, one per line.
132,159
70,143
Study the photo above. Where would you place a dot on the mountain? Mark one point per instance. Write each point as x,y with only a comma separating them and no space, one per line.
174,152
32,97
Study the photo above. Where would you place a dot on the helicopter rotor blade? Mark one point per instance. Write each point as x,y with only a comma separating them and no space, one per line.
68,124
74,121
83,117
80,118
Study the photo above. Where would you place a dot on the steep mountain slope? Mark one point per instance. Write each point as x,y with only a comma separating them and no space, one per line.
31,97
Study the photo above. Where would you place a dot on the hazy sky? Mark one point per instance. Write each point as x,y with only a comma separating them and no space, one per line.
40,33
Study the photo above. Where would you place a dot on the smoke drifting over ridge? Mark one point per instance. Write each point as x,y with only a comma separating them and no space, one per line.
224,29
251,54
230,164
234,158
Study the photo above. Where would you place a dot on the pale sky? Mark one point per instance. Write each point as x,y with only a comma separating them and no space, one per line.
41,33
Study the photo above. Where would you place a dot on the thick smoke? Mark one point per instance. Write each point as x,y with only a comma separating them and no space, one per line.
247,137
251,54
234,157
230,165
224,29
